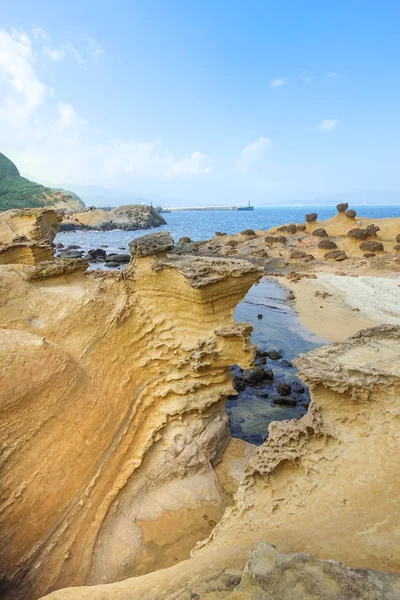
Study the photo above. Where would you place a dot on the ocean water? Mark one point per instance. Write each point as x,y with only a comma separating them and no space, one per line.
202,225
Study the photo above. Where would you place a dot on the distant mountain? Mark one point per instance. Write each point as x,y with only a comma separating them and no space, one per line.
19,192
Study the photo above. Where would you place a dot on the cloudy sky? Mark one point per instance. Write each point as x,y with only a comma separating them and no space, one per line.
214,101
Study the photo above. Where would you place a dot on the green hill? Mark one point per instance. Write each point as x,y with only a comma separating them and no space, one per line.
19,192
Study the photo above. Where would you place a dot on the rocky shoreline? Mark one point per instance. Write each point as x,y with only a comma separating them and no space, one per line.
116,454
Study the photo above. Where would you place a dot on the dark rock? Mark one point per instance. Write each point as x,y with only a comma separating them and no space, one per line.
232,243
286,363
219,233
259,316
59,245
327,245
275,239
342,206
152,243
321,232
97,253
71,254
122,248
350,214
239,384
291,228
371,246
261,352
284,389
262,394
274,355
248,232
397,247
285,401
72,247
118,258
301,227
311,217
336,255
268,374
184,240
370,254
112,264
300,255
262,360
255,376
372,230
298,387
357,233
398,238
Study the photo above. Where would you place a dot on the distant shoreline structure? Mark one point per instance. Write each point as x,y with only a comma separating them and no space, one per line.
160,209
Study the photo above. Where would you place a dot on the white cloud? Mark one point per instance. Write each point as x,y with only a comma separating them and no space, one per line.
253,153
328,124
55,53
330,76
279,82
48,139
39,34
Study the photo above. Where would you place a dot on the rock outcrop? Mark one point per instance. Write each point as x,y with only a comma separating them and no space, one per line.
130,218
112,413
26,235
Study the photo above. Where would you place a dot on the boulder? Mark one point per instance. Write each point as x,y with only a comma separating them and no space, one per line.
310,217
298,387
152,243
336,255
300,255
119,259
370,254
342,207
274,355
232,243
96,254
301,227
357,233
256,375
239,384
351,214
184,240
275,239
113,264
372,230
71,254
371,246
220,233
398,238
284,389
327,244
321,232
248,232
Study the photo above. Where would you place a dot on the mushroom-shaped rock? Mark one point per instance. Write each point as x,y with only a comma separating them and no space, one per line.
327,244
300,255
248,232
310,217
350,214
342,207
336,255
301,227
184,240
371,246
357,233
372,230
290,228
152,243
275,239
321,232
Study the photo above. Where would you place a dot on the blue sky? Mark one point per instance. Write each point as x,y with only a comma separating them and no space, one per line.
210,102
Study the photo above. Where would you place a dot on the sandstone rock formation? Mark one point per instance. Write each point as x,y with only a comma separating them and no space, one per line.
112,413
326,485
130,217
26,235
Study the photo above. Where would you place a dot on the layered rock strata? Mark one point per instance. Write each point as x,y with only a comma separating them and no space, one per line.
326,485
112,412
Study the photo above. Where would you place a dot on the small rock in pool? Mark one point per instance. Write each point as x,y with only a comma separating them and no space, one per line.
261,352
259,316
113,264
256,375
118,258
239,384
283,389
262,394
285,401
298,388
274,355
73,247
262,360
286,363
59,245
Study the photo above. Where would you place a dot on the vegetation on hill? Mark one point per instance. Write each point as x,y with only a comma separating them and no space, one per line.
19,192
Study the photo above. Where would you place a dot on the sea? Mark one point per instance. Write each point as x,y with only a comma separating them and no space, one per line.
202,225
276,325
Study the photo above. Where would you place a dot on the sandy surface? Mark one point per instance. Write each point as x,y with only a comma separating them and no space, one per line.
355,303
